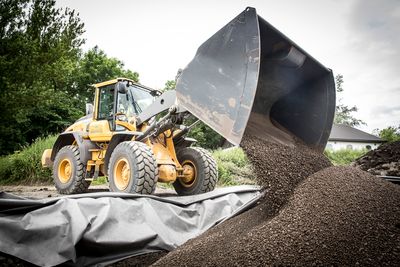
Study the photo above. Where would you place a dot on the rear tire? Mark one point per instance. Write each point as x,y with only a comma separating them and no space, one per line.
68,171
205,177
133,168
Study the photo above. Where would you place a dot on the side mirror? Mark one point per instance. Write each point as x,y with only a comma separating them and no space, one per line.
89,108
122,89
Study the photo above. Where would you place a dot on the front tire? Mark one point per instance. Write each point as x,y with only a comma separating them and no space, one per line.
133,169
200,171
68,171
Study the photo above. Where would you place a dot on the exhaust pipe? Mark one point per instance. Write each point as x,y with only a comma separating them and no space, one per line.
250,78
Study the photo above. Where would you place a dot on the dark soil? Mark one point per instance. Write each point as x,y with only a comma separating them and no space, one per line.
279,168
385,160
8,260
337,216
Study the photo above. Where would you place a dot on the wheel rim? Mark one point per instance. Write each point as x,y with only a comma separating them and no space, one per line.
189,173
122,174
65,171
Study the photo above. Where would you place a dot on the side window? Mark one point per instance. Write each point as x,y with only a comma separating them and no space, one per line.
106,102
349,147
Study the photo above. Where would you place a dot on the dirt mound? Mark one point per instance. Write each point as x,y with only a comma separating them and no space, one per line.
279,168
310,214
385,160
338,216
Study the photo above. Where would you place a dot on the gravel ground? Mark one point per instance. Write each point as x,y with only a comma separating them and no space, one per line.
47,191
385,160
336,216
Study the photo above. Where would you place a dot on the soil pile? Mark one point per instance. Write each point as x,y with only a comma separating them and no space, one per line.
279,168
338,215
385,160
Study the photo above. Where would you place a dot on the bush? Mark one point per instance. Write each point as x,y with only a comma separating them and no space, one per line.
233,167
25,165
344,156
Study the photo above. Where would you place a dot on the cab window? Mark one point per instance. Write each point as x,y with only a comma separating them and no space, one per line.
106,102
141,97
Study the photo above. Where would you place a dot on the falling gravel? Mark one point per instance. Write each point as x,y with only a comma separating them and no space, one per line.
311,214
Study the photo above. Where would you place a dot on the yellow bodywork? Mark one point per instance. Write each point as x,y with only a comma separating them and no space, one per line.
99,131
46,161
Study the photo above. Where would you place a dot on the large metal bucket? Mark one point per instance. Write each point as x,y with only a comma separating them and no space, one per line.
249,77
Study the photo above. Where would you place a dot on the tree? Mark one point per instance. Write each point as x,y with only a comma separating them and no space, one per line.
389,134
169,85
39,46
343,113
205,136
44,76
94,67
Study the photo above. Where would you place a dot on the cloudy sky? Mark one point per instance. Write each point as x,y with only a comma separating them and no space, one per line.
359,39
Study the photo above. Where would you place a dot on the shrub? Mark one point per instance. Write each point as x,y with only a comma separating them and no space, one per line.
25,165
344,156
233,167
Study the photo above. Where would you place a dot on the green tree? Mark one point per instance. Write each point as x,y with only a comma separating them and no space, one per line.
39,47
205,136
169,85
343,113
389,134
44,76
94,67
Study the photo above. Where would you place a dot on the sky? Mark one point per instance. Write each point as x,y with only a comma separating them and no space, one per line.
359,39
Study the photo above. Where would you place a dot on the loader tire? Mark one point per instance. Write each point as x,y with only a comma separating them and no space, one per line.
69,171
200,163
133,168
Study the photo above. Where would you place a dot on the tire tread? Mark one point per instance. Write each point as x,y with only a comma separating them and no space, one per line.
146,166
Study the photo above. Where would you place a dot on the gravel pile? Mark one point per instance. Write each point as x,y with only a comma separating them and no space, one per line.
336,216
279,168
385,160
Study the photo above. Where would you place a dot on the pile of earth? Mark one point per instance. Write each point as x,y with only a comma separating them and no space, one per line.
385,160
311,214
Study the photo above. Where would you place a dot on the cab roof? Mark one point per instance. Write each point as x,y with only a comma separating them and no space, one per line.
121,79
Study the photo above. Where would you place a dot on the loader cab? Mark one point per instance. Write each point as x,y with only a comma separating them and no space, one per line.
118,102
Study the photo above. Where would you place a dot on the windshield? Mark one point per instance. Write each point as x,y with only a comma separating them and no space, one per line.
134,101
142,98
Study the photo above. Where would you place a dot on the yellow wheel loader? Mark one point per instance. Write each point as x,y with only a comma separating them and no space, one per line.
248,78
121,138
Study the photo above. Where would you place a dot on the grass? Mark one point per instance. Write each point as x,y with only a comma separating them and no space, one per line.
344,157
233,167
25,166
100,180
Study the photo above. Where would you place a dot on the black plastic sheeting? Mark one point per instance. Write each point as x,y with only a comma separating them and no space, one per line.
102,228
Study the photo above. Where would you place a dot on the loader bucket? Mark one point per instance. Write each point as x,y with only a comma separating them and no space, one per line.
249,77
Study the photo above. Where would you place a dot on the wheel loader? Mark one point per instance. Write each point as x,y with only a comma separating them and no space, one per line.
121,137
248,78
